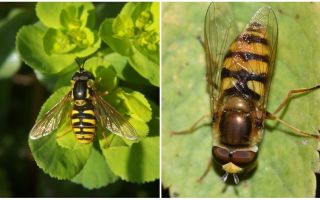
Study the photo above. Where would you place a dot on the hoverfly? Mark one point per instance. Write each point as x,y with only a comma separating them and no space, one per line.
239,71
84,108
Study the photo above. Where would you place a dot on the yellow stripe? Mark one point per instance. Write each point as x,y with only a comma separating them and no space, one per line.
74,112
86,136
90,121
257,66
88,95
257,87
91,130
85,141
76,129
256,48
227,83
80,102
236,64
89,112
75,121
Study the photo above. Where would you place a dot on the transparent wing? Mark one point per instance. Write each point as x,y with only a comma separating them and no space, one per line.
267,18
50,121
219,31
262,32
112,120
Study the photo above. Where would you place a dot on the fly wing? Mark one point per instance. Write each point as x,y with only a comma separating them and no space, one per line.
112,120
259,40
51,120
219,31
267,18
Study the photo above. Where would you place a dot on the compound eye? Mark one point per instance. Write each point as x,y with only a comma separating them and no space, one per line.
221,155
243,158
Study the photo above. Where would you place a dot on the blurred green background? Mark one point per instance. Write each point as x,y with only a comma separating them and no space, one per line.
21,97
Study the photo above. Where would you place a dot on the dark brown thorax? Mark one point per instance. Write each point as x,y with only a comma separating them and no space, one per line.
235,124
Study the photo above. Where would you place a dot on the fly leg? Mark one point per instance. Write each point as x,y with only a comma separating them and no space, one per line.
294,129
272,116
199,38
98,80
108,142
192,128
290,93
205,173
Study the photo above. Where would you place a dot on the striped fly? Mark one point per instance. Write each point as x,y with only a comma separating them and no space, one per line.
84,109
239,71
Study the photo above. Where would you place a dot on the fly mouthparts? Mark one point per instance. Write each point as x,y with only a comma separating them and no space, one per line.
236,179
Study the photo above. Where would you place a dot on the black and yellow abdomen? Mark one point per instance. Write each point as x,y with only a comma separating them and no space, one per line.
84,122
246,65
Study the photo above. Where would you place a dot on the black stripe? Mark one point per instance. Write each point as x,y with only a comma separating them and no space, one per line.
255,24
255,27
244,76
225,73
242,90
246,56
84,124
254,30
82,115
83,133
249,38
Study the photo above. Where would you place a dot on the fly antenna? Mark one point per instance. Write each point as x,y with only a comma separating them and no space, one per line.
80,62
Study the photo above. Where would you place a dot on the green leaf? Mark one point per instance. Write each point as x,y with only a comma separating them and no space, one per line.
124,71
96,173
54,158
118,61
32,51
9,58
103,71
49,13
80,42
50,48
56,42
286,163
138,163
135,105
135,33
146,67
73,17
118,45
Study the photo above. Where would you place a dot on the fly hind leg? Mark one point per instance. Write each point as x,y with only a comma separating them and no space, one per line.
107,141
292,92
284,102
